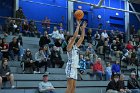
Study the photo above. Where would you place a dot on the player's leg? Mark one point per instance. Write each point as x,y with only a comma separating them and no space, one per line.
69,86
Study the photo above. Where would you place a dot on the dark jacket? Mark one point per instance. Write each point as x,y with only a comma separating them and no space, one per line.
115,85
3,70
133,84
13,46
43,41
27,58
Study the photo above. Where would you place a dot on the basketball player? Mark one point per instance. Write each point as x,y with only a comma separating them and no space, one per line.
73,57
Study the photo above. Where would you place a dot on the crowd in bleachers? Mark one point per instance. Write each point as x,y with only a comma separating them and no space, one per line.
53,46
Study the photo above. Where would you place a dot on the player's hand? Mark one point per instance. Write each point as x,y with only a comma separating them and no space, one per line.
84,25
78,23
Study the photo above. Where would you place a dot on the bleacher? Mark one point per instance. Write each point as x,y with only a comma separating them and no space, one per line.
28,83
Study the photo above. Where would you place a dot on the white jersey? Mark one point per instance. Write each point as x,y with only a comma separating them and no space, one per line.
73,63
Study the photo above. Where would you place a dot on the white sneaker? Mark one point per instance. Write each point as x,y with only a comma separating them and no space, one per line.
12,86
35,72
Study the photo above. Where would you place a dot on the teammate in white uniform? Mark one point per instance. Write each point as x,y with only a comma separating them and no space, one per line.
73,57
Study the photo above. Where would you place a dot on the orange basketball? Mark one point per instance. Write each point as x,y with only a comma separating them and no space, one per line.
79,14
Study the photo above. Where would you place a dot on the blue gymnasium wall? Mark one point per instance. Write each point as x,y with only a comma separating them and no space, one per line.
93,21
38,11
133,18
6,9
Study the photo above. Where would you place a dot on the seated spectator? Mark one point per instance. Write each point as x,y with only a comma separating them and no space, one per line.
4,49
46,24
56,58
97,36
134,60
40,60
98,68
89,35
47,53
27,61
124,89
115,86
25,28
5,73
88,57
82,64
115,49
133,84
61,35
58,44
14,49
45,86
55,33
108,71
33,29
129,45
100,45
104,34
14,28
106,46
116,68
111,36
44,40
91,51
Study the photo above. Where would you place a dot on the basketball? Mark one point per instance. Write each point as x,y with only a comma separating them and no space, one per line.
79,14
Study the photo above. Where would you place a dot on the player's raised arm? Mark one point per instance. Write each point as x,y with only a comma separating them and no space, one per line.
72,40
82,29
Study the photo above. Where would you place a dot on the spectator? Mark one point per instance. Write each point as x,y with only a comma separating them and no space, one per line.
129,45
97,36
61,35
19,15
55,33
82,64
56,58
27,61
92,52
111,36
25,28
116,68
14,27
45,86
20,44
47,53
100,45
44,40
89,35
88,56
134,60
115,86
4,49
104,34
133,84
41,60
46,24
5,73
98,68
115,49
14,49
58,44
124,89
108,72
33,29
